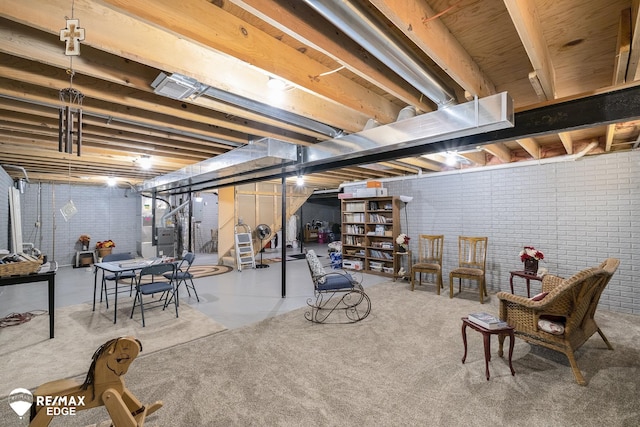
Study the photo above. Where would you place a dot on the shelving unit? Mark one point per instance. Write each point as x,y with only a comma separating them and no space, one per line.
369,230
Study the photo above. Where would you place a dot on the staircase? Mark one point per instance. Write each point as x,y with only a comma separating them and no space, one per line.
253,204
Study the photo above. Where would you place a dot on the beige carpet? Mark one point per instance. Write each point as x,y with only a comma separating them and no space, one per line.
29,358
399,367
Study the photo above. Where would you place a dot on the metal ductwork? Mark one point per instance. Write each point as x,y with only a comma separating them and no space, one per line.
250,159
269,157
357,23
181,87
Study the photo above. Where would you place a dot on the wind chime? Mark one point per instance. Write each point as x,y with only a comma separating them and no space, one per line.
70,114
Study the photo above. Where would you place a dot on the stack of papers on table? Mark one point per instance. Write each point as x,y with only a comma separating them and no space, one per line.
134,264
487,321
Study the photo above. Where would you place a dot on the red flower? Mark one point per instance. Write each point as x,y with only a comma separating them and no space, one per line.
529,252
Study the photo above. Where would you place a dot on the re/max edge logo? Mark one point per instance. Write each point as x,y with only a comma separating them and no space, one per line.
60,405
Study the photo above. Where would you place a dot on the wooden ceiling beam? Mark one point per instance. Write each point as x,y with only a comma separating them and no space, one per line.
633,68
525,18
623,48
21,122
300,23
163,50
131,98
102,154
531,146
421,163
435,39
567,141
479,158
609,136
498,150
217,29
39,95
25,42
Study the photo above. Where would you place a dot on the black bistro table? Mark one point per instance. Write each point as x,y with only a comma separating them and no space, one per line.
47,276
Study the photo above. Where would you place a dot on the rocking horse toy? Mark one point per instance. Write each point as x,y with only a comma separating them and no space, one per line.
104,385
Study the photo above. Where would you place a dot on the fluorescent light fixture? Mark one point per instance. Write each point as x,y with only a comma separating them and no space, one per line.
175,86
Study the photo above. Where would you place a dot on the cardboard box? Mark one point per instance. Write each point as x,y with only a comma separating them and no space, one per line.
352,264
374,184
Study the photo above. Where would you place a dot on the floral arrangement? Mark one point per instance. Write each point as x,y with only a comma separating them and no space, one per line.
403,240
84,239
529,252
105,244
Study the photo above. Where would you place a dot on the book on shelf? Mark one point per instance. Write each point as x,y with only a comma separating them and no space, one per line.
487,321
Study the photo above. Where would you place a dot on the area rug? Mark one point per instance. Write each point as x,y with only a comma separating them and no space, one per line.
401,366
29,358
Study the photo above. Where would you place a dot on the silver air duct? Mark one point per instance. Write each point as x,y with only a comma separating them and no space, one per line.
180,87
358,24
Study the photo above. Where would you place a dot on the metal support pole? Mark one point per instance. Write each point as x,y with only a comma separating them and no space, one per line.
284,237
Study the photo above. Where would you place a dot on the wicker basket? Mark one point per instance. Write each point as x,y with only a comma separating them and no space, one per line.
20,268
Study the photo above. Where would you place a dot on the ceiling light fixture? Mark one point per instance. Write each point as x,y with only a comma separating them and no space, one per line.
300,181
111,181
451,158
276,84
145,162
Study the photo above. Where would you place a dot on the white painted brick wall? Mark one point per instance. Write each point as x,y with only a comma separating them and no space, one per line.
578,213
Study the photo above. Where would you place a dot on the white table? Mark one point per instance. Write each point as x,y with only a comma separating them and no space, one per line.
117,268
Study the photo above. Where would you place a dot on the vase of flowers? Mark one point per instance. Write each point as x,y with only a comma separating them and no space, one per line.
403,242
530,257
84,240
105,248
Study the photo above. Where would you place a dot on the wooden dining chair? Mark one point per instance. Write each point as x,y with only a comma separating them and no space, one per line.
472,259
429,259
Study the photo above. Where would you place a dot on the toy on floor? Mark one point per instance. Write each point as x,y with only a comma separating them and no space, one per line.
104,385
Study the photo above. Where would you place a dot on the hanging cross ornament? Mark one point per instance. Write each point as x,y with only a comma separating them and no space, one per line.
72,36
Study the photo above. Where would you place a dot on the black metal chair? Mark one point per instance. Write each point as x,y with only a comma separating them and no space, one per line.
335,292
130,275
182,274
166,288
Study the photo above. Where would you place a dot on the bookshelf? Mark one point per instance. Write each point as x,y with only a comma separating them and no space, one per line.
369,229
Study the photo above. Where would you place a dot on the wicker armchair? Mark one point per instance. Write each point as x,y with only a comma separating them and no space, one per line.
572,301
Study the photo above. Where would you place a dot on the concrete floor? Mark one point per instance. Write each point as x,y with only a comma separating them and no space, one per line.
235,299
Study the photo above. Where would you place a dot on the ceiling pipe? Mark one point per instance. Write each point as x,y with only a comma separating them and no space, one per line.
181,87
357,23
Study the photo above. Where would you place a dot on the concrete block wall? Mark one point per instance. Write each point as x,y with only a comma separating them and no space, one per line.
578,213
102,212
